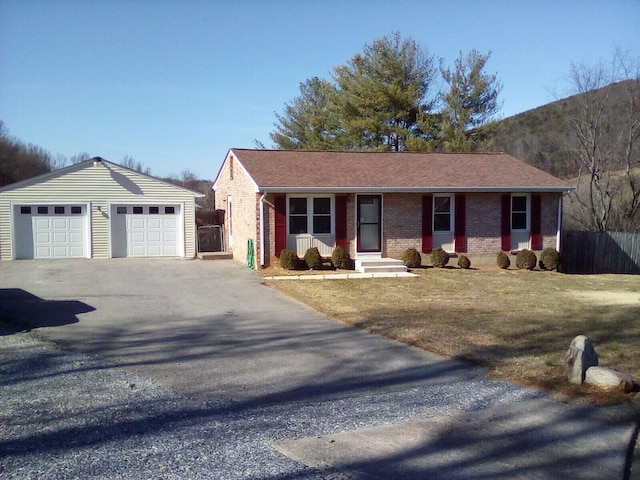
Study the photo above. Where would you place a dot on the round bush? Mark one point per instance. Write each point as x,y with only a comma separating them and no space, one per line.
340,258
464,262
313,259
439,258
289,259
526,259
411,258
549,259
503,260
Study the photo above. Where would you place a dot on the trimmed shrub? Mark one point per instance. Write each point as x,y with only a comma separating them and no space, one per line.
439,258
340,258
289,260
549,259
464,262
313,259
503,260
526,259
411,258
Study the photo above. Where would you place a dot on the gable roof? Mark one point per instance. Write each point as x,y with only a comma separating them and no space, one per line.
298,170
82,165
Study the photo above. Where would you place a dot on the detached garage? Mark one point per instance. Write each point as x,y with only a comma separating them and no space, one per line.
96,209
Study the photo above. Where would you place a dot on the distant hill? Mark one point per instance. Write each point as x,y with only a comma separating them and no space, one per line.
541,136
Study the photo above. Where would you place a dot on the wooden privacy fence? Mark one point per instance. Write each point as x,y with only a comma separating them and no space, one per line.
600,252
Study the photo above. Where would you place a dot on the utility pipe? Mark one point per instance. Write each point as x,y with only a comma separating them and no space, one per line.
264,194
559,229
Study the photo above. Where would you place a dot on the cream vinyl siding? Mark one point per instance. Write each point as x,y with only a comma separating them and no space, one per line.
6,247
99,184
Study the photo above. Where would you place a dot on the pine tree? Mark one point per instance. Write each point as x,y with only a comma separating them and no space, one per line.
470,102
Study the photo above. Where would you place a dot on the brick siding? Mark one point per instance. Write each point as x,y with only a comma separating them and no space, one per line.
402,223
401,215
244,221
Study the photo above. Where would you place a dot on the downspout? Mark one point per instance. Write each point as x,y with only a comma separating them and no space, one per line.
264,194
559,229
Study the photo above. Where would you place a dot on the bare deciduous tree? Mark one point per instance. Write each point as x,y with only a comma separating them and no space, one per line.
605,146
19,161
80,157
129,162
58,162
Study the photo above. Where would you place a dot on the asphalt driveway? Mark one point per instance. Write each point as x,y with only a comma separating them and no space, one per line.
220,348
209,330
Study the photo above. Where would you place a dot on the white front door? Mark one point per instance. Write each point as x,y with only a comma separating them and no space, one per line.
369,224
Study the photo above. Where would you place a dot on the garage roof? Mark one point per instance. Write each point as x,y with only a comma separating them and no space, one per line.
95,161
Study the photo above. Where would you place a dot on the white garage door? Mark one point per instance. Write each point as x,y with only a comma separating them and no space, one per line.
146,231
50,231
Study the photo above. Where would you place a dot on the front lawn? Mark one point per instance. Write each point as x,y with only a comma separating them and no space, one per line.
516,323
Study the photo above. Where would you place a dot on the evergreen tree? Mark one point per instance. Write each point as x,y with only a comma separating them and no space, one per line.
470,102
383,91
373,103
309,122
382,99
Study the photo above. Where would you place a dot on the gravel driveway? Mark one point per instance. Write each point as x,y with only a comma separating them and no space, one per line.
171,369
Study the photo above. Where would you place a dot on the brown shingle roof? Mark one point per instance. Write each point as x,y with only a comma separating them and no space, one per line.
299,169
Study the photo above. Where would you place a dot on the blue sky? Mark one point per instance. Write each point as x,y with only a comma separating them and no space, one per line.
175,84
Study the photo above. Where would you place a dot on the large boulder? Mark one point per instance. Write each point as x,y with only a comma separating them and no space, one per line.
607,378
580,356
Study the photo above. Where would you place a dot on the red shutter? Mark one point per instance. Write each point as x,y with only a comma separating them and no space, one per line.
341,221
427,223
536,221
280,203
460,244
505,231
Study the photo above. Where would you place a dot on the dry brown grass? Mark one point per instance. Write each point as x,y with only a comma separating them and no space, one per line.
518,324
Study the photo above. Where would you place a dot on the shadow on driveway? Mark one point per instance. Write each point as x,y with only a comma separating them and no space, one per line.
211,375
22,311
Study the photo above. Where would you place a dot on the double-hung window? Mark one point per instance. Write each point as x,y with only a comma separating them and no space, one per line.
298,221
310,215
321,215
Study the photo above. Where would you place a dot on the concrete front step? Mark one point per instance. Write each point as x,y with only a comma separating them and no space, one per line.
374,265
215,256
382,268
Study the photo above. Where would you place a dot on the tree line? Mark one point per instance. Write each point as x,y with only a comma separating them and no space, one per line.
20,161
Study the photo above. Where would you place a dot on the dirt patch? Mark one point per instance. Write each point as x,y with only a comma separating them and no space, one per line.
608,297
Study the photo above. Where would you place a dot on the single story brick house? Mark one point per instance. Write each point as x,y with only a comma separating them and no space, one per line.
378,204
96,209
